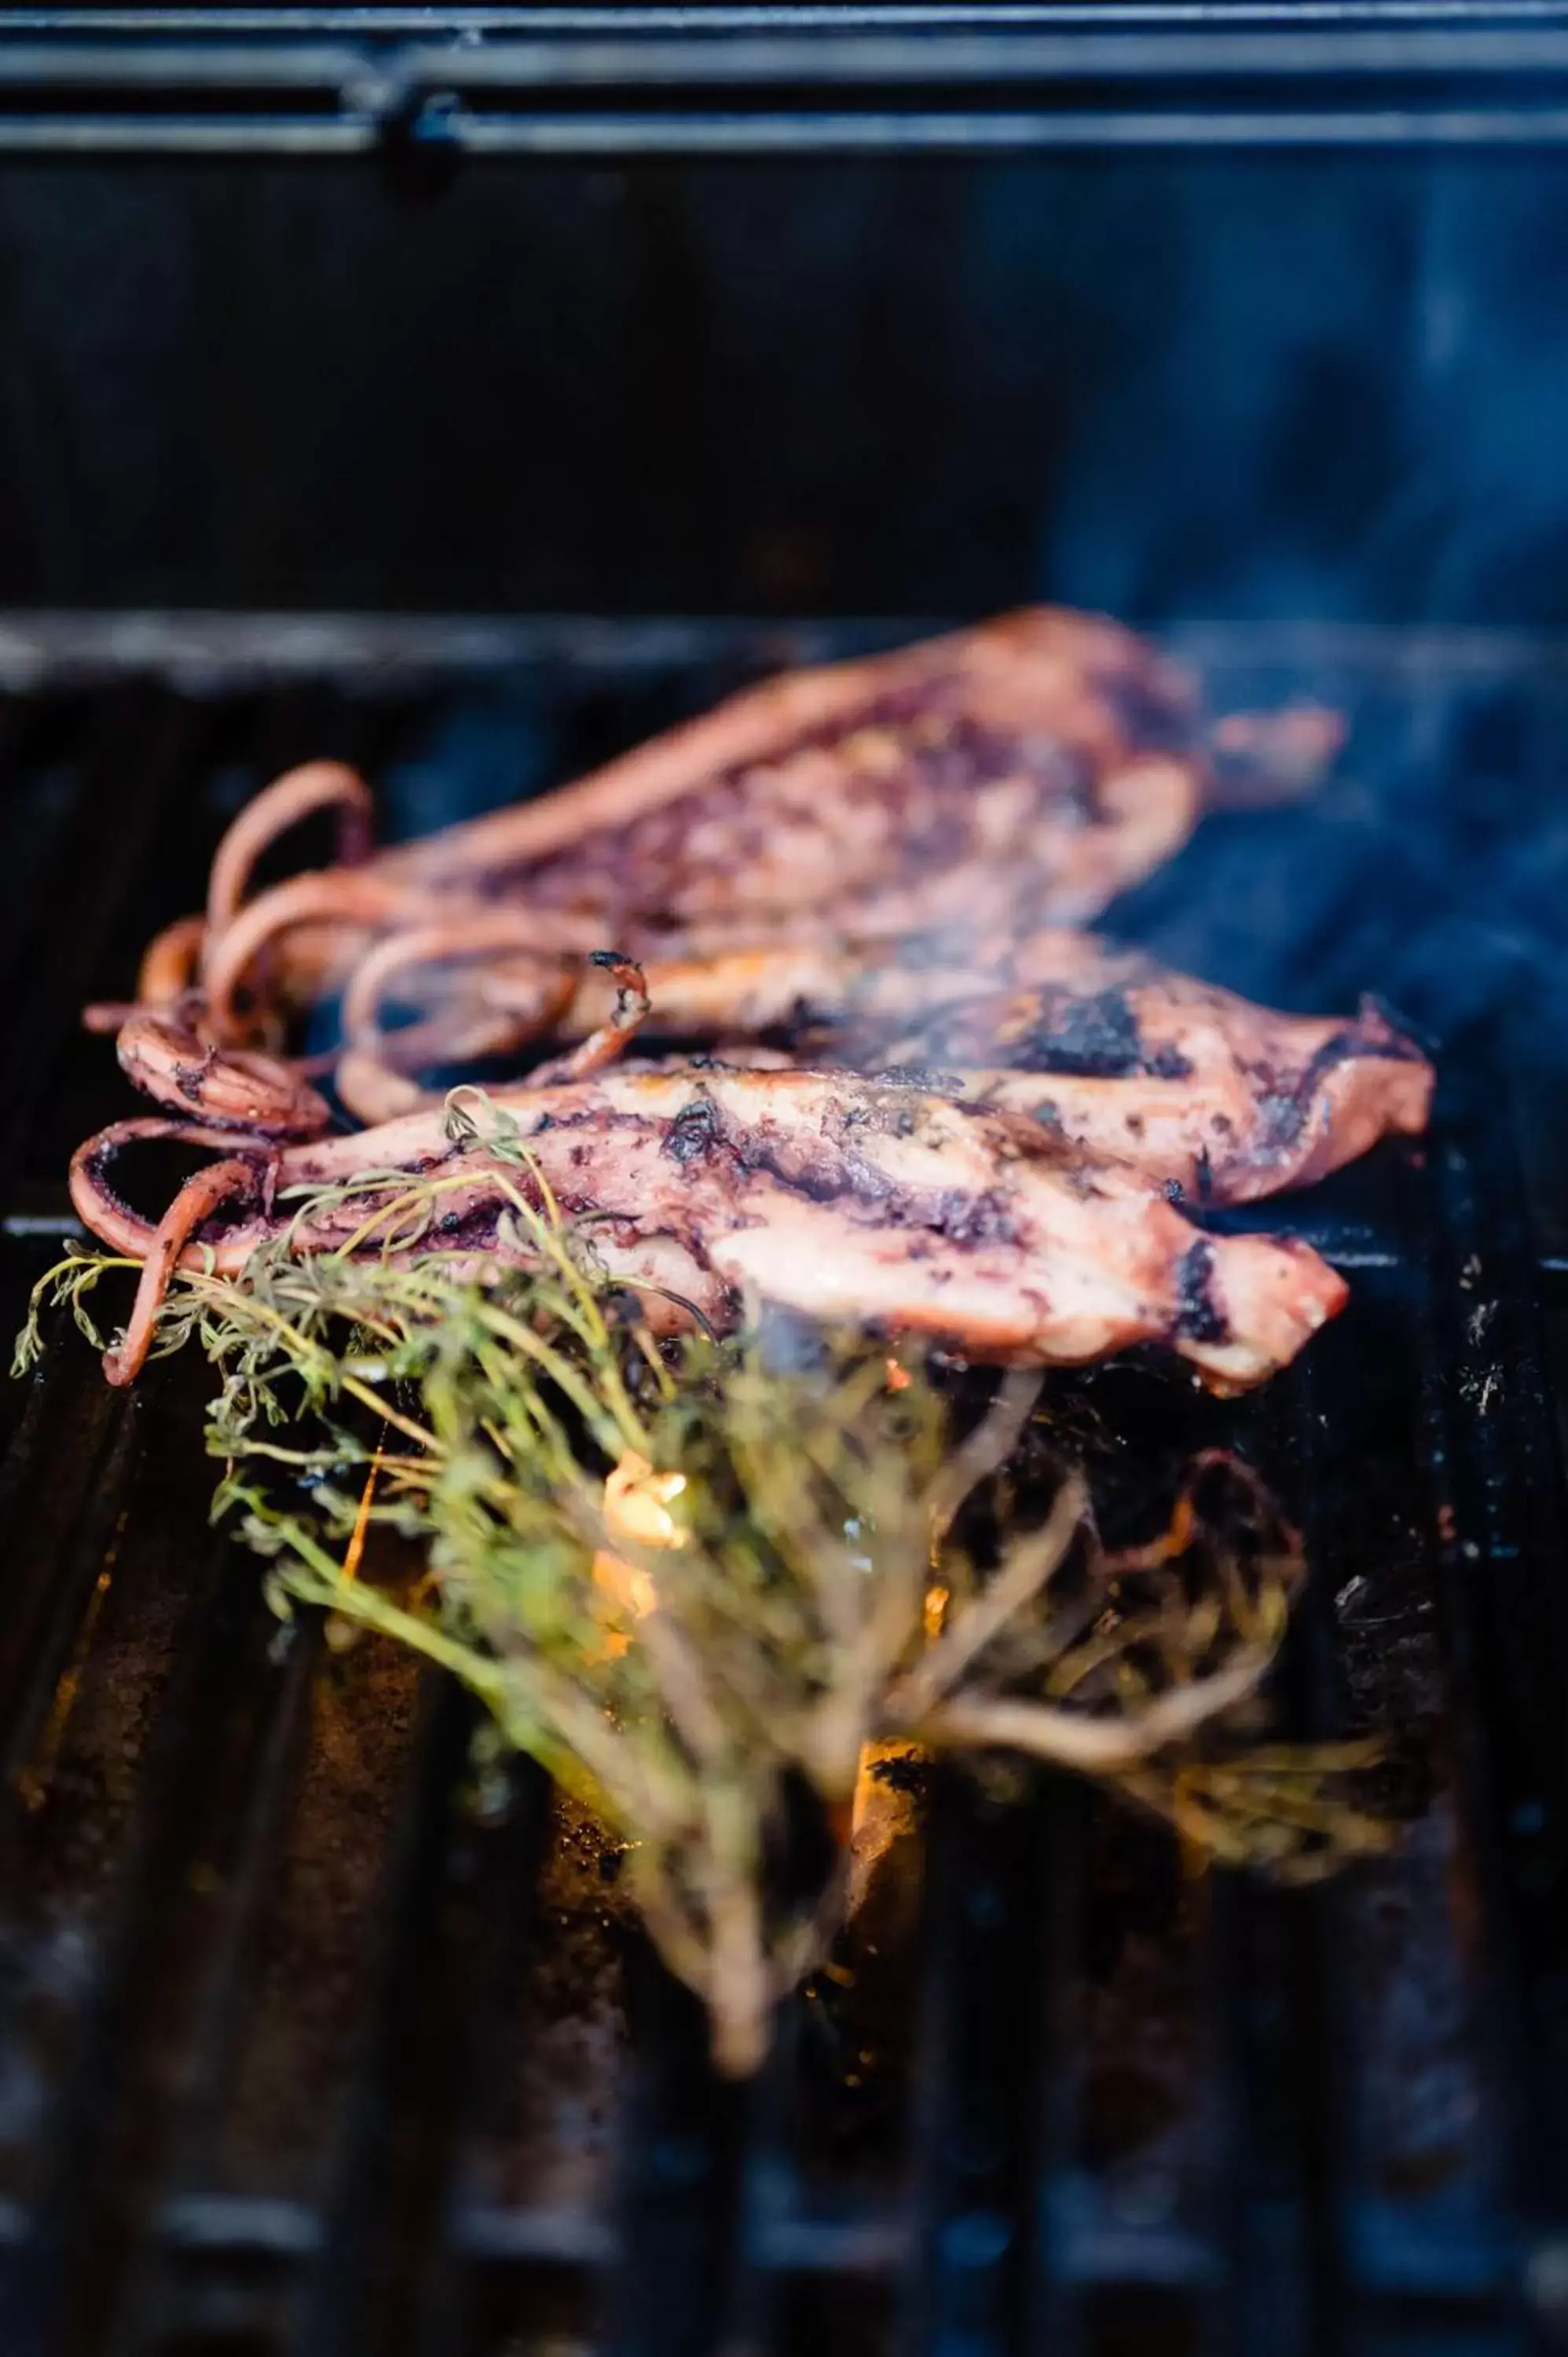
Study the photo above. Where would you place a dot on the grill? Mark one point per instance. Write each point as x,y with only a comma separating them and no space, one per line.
420,90
313,2039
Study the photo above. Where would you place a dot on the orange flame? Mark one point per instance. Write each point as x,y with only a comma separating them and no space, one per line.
636,1507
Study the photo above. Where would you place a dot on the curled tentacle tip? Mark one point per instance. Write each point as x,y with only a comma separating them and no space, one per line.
631,983
108,1014
186,1008
630,1012
233,1088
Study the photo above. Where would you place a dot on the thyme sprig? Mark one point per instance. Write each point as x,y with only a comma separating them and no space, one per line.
697,1578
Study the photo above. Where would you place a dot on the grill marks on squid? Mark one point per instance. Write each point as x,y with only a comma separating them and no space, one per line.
907,777
830,1195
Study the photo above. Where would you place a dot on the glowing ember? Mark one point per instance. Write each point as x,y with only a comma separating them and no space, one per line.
898,1378
884,1825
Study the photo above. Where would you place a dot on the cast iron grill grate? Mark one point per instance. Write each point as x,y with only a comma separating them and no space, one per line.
311,2046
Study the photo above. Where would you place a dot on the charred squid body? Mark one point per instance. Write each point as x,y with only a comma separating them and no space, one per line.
1040,763
839,1198
1116,1054
1110,1050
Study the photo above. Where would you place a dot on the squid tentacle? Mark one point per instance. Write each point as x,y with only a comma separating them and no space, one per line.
233,1088
375,1091
343,899
611,1039
372,1082
165,980
95,1201
201,1195
298,794
514,1004
171,962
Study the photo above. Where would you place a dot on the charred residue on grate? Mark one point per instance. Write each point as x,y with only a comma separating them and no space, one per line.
313,2039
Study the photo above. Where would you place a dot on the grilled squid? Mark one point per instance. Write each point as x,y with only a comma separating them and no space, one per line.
835,1196
1035,765
1112,1052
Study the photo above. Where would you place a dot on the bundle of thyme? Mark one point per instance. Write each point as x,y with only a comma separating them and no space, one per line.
696,1579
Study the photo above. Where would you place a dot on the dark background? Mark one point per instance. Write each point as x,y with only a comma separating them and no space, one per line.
1173,386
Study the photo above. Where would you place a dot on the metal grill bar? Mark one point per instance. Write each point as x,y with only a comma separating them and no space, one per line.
1503,1595
1388,2005
137,757
967,2282
680,2183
